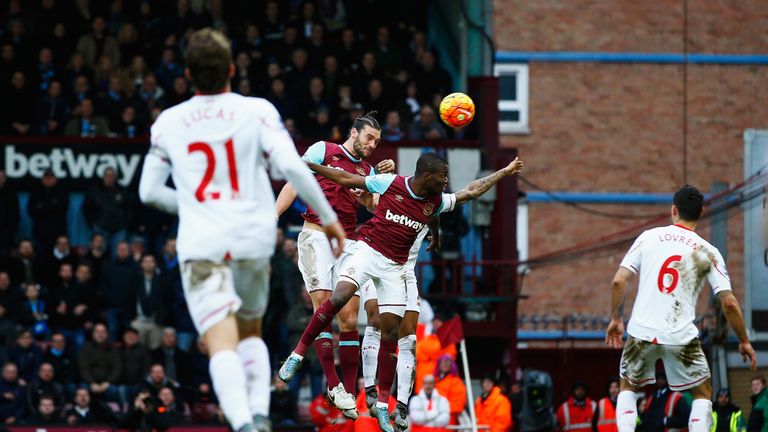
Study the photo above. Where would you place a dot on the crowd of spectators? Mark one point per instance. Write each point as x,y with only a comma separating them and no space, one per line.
108,68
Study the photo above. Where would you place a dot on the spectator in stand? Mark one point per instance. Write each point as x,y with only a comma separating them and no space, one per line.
493,408
100,364
8,63
180,319
332,79
62,360
298,74
118,285
429,410
42,386
55,256
25,267
204,408
313,103
127,125
47,206
450,385
392,130
662,402
77,78
137,70
425,126
35,311
758,418
386,53
11,395
136,362
9,215
108,209
169,69
320,126
199,364
60,43
87,411
128,41
46,413
431,79
272,26
21,113
727,417
85,123
175,361
179,92
112,101
367,72
9,308
81,90
282,408
605,413
103,75
52,111
316,47
348,53
149,311
69,305
156,380
375,99
151,95
98,43
244,70
154,413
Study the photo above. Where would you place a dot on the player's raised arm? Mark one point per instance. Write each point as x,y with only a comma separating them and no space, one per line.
480,186
351,181
285,198
154,175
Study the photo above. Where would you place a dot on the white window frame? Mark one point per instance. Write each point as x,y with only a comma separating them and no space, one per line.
520,70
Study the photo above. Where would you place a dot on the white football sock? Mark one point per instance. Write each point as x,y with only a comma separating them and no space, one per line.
406,367
626,411
370,350
701,416
255,357
229,383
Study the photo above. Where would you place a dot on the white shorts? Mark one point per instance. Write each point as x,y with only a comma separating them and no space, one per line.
368,265
318,267
685,365
412,303
216,289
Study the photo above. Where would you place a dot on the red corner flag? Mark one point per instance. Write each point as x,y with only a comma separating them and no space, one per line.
450,332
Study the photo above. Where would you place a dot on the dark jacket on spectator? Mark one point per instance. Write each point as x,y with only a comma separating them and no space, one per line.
11,408
64,365
136,362
151,304
99,363
51,109
48,209
97,413
181,362
39,420
98,126
27,359
71,294
159,418
108,209
25,270
119,276
39,388
654,417
9,216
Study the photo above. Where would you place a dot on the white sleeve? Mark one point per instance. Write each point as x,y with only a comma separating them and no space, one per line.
632,259
718,275
444,412
417,412
154,175
285,162
448,203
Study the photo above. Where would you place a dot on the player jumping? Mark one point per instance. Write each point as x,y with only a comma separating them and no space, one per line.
319,268
673,262
406,205
218,147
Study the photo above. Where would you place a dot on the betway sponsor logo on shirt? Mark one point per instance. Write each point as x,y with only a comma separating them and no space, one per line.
66,164
403,220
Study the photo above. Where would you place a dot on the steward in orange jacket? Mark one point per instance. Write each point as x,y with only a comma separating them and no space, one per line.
450,386
328,418
428,351
493,408
605,414
364,422
577,412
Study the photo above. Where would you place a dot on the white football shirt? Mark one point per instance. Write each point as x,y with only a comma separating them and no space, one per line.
218,148
673,263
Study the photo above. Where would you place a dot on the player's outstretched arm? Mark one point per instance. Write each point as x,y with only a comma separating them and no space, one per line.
615,331
152,188
285,198
351,181
480,186
733,314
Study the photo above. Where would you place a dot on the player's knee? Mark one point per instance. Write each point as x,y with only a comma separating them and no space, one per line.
389,335
373,319
348,322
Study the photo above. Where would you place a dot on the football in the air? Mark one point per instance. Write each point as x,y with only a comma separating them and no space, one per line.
457,110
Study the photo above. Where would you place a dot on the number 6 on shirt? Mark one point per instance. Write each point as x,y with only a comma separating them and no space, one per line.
667,269
210,157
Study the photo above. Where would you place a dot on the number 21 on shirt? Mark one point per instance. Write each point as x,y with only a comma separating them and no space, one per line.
208,151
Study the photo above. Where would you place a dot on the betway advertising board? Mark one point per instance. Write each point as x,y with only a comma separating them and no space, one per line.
75,162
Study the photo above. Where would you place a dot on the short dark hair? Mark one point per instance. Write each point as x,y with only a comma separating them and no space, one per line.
689,202
760,378
368,120
208,58
430,163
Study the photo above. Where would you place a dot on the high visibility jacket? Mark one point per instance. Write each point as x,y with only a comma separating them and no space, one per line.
571,417
453,389
669,408
364,422
606,416
495,411
328,418
735,424
428,350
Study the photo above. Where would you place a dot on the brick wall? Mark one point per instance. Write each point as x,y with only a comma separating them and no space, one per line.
602,127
